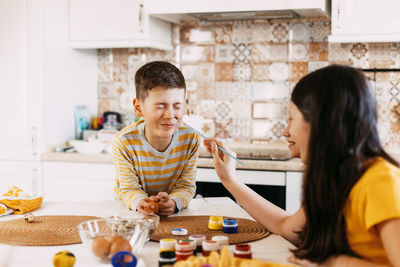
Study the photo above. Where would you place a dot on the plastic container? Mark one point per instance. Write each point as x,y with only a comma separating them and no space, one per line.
167,258
209,246
215,223
167,244
221,240
230,226
198,239
242,251
192,242
183,250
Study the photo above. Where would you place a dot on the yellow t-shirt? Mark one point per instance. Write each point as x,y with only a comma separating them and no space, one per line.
374,199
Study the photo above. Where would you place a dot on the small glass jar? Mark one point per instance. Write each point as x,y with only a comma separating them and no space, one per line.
215,223
221,240
198,239
230,226
167,258
242,251
167,244
183,250
209,246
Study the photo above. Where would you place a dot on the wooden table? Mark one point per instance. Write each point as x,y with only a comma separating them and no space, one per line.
272,248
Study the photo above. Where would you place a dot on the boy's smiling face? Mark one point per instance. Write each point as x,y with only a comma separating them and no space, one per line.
159,109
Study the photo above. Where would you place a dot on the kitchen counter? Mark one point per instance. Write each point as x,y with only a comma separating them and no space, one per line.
272,248
203,162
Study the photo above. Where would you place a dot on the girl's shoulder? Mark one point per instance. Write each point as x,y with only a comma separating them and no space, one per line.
380,170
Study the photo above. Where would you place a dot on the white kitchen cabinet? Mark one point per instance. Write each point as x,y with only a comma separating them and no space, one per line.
294,182
20,72
365,21
42,78
115,23
26,175
177,10
71,181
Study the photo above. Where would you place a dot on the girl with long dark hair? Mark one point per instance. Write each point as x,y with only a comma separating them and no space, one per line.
350,214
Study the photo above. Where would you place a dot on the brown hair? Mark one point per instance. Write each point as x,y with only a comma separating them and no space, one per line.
157,73
338,103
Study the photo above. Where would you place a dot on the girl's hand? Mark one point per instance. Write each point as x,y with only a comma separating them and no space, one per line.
224,165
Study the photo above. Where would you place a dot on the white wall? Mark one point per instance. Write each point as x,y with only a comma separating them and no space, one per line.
69,76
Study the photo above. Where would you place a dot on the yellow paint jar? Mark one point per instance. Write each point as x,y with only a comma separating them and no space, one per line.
215,222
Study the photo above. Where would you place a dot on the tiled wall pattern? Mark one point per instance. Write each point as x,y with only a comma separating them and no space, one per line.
240,73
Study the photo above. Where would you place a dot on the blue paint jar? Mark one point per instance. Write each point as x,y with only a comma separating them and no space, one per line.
230,226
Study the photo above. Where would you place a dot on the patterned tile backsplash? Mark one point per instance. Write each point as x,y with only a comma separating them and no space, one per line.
240,74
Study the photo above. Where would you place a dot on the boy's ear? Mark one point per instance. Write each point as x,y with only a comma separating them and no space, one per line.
137,107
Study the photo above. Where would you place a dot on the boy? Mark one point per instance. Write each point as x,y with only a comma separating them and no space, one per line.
156,157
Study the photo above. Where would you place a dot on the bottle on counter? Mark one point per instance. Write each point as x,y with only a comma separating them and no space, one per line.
242,251
209,246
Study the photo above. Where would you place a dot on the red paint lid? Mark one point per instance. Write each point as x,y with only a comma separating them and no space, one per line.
243,247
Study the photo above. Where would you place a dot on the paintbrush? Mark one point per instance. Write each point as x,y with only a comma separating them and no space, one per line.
203,136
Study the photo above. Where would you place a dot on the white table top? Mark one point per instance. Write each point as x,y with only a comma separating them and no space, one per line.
272,248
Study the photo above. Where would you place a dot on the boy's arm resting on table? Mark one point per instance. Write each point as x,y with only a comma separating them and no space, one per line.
185,187
130,189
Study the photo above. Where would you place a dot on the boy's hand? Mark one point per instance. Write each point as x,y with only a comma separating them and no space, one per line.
166,204
146,206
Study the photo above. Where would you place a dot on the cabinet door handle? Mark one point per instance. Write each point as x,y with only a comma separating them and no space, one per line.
34,141
141,18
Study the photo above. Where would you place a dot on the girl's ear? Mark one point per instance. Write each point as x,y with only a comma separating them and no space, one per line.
137,107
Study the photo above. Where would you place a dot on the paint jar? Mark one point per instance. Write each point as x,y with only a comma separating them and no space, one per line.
167,258
167,244
242,251
221,240
183,250
215,223
209,246
192,242
230,226
198,239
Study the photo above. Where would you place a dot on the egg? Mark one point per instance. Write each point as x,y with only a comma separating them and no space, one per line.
64,258
114,238
101,247
120,245
154,207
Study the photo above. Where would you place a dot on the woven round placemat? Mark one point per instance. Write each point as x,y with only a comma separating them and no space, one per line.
248,230
43,231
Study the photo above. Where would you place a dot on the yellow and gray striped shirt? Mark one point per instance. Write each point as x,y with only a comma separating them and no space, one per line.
142,171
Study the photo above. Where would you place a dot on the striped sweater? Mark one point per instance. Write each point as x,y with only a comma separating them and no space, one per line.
142,171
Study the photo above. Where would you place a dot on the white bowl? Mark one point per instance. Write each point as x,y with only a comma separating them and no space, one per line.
88,147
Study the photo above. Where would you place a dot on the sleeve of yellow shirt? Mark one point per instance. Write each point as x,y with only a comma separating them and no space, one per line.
128,184
382,197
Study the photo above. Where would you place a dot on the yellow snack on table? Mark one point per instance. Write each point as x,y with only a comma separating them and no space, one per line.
225,260
3,209
19,201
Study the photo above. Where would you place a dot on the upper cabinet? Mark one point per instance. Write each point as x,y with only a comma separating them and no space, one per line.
365,21
116,23
178,10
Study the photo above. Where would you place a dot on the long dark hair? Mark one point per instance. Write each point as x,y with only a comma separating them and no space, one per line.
338,103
